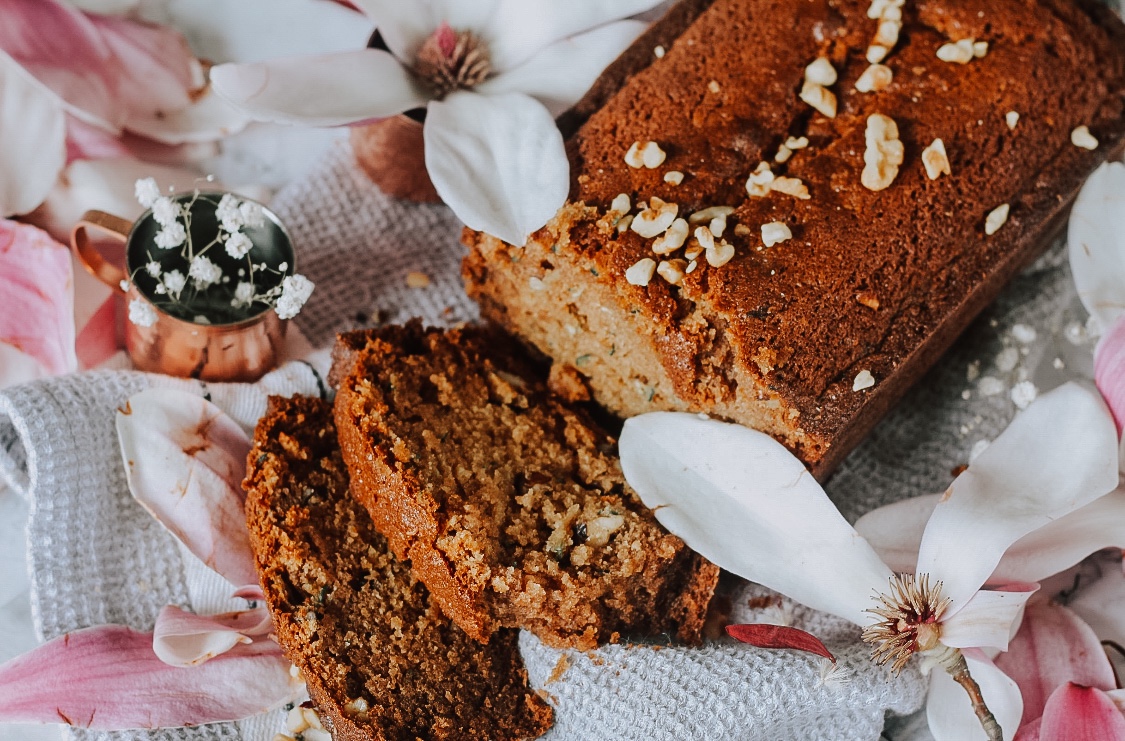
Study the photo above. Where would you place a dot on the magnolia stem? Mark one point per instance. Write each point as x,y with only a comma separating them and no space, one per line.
953,661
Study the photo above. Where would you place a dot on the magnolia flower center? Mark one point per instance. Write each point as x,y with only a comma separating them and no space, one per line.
452,60
910,620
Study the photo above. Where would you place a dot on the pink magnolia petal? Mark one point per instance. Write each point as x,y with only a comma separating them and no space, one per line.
18,367
405,26
1117,697
108,678
209,118
1102,606
250,592
987,619
559,75
1053,647
1029,731
87,142
1076,713
950,712
1058,455
1109,368
33,145
185,460
741,500
182,638
329,90
779,636
36,293
1096,242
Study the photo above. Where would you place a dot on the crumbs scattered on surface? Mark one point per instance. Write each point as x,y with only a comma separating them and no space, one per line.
863,380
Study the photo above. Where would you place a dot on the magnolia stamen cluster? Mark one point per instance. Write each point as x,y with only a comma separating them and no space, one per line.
452,60
910,614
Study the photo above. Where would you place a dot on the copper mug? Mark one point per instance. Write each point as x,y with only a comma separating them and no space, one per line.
230,348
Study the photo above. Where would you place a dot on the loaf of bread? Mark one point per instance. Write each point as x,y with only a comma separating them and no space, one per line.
510,506
843,221
380,660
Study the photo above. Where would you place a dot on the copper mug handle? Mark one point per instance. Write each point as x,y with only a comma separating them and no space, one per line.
94,262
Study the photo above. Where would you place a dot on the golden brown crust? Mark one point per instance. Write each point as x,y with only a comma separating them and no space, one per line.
511,507
776,337
380,660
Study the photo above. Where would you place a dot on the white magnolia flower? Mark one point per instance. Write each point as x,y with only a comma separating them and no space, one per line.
741,500
141,313
165,211
238,244
174,282
204,272
171,236
492,74
295,291
147,191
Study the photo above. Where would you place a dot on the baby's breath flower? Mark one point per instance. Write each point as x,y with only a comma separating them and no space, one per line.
153,269
295,291
165,211
146,192
252,214
243,295
175,281
171,236
283,267
204,272
125,285
238,245
141,313
228,212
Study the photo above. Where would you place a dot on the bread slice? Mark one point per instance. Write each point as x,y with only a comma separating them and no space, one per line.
510,506
379,658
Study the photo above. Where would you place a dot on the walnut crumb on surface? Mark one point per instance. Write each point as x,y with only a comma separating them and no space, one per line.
935,160
821,72
875,78
674,177
1082,138
645,154
775,233
659,52
1012,118
621,204
641,273
885,9
797,142
672,271
820,98
655,219
672,239
877,53
706,215
959,52
996,219
758,184
713,86
884,153
720,254
863,380
868,299
783,154
792,187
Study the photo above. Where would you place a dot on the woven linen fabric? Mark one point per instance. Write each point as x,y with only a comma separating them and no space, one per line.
96,557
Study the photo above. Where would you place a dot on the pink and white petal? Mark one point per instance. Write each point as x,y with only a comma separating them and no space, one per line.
1109,369
405,26
182,638
251,592
18,367
895,530
498,161
1053,647
559,75
989,619
949,711
520,28
330,90
1029,731
185,460
105,7
108,679
209,118
1076,713
1117,697
87,142
1058,455
1102,605
36,291
740,499
1097,243
97,339
1065,542
32,139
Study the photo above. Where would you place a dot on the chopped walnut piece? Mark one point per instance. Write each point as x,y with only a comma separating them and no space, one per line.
659,52
868,299
877,53
624,224
959,52
672,239
655,219
674,177
880,8
672,271
821,72
621,204
647,154
888,32
996,219
691,266
820,98
693,251
705,215
875,78
783,154
705,238
714,87
935,160
863,380
720,254
758,184
741,230
980,49
600,529
1012,119
791,186
718,225
1081,137
884,155
796,143
641,272
775,233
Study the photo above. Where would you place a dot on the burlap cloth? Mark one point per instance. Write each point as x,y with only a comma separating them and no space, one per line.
96,557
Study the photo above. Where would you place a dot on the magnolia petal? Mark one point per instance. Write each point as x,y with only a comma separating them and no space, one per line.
1029,731
404,26
1117,697
498,161
1097,243
86,142
1076,713
209,118
1109,368
185,460
950,712
32,140
1102,605
329,90
182,638
779,636
895,530
1058,455
36,291
1053,647
560,75
986,620
741,500
108,678
250,592
17,367
518,29
105,7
